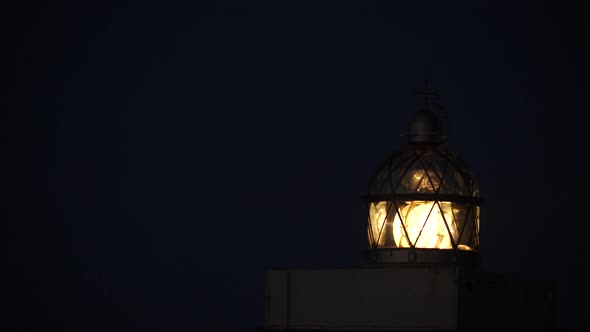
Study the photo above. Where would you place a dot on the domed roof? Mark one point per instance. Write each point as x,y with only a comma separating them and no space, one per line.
423,171
422,198
424,128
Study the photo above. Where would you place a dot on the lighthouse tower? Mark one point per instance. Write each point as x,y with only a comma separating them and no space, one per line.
421,263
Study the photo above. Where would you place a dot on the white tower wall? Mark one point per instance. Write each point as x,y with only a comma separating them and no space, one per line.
376,298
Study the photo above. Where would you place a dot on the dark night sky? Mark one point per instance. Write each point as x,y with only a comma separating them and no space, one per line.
179,151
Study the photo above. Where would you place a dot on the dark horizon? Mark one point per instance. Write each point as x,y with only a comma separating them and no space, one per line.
179,151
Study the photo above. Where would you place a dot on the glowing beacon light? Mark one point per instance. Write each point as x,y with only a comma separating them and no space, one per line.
423,202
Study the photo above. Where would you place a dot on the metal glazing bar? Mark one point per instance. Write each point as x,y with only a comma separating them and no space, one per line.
424,197
416,157
402,224
384,222
464,224
446,225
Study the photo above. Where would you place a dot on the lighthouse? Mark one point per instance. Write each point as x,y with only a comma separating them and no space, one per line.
421,266
423,202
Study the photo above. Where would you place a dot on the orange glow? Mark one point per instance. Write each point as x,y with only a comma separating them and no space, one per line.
424,223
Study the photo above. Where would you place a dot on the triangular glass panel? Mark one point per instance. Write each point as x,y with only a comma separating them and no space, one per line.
458,214
453,181
409,176
398,172
400,230
442,168
424,224
380,182
468,238
434,180
462,187
444,220
377,217
436,173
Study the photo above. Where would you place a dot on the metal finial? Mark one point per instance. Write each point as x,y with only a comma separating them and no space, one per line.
425,126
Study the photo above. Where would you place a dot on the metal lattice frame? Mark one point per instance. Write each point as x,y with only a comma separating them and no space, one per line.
444,178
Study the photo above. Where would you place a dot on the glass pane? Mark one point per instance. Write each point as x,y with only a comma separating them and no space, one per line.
459,214
413,172
388,177
423,224
380,183
469,238
378,227
420,180
450,182
398,172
